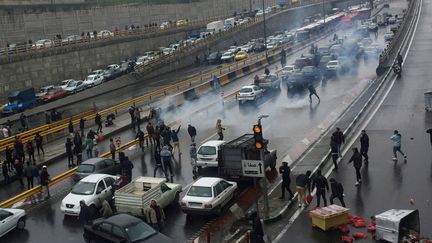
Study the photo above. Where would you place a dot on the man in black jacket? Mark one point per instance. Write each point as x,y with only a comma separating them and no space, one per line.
321,184
303,182
339,139
285,171
192,132
44,180
364,146
98,121
336,191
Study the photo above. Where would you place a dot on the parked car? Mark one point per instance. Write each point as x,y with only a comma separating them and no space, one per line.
97,72
287,71
388,36
208,195
65,83
208,154
111,74
75,87
44,44
105,34
11,219
97,166
227,56
241,55
54,94
127,67
122,228
249,93
44,90
89,189
303,61
311,73
214,58
20,101
259,47
71,39
93,80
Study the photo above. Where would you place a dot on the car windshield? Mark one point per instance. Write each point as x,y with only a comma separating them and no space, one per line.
245,90
200,191
139,231
71,84
213,55
85,168
333,63
207,150
84,188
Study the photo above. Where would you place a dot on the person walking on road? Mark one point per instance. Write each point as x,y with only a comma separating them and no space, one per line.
150,131
91,134
137,116
39,143
400,60
19,148
126,165
193,156
69,152
166,136
166,161
112,149
155,215
82,126
89,147
337,191
98,121
9,158
312,91
303,182
334,153
44,177
77,150
35,172
192,132
5,172
85,215
339,139
396,139
156,136
19,168
285,172
321,184
430,135
30,150
29,175
158,160
23,121
356,158
71,128
219,129
364,146
175,140
141,137
132,116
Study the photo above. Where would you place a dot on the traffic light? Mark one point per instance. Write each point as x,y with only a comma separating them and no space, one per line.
259,140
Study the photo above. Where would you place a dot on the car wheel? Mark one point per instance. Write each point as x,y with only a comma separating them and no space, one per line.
21,224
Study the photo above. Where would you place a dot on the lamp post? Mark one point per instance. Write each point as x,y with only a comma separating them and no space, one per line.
265,32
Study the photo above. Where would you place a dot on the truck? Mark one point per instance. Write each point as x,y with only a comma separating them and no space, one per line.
229,23
242,148
135,197
270,81
215,26
20,101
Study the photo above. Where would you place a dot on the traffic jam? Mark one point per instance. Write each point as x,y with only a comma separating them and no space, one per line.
105,203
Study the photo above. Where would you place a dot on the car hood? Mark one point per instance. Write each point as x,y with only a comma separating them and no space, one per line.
75,198
15,211
197,199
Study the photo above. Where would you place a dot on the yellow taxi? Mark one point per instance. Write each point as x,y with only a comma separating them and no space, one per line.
241,55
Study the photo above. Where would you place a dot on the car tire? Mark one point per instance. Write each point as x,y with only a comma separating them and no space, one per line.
21,224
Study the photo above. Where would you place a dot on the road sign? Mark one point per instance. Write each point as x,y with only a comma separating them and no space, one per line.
253,168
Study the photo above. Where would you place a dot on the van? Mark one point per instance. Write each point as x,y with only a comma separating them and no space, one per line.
207,154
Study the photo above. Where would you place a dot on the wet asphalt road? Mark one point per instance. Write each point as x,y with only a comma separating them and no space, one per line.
387,184
290,118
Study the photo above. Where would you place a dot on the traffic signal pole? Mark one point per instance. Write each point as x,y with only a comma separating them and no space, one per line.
261,150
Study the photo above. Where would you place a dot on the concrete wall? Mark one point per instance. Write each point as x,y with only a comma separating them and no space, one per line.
19,24
50,68
38,2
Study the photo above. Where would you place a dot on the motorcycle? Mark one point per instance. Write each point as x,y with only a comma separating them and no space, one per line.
397,69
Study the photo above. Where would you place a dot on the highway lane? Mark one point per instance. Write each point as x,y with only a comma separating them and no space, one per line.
290,119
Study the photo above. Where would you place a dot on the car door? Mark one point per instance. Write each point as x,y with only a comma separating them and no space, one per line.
101,190
7,221
218,195
109,181
226,193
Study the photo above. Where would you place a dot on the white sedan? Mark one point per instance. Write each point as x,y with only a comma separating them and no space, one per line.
93,80
75,86
208,195
105,34
249,93
89,189
333,65
11,219
228,56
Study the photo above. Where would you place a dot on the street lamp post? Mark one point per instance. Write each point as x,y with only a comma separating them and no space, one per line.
265,32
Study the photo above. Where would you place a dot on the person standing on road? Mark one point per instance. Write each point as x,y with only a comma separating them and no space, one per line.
91,134
23,121
285,171
35,172
364,146
219,129
337,191
137,116
132,116
71,128
356,158
82,126
77,150
175,140
44,177
9,159
312,91
430,135
339,139
19,149
166,136
150,131
98,121
400,60
303,182
193,156
39,143
192,132
141,137
155,216
158,161
126,165
5,172
29,175
334,153
321,184
89,147
69,152
396,138
156,136
112,148
30,150
257,232
283,57
19,168
166,161
85,213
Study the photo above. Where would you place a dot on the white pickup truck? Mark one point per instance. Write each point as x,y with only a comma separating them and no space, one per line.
135,197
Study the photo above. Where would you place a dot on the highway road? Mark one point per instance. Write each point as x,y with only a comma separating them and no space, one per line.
290,118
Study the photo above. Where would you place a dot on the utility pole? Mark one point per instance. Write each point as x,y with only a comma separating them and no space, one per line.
266,202
265,32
